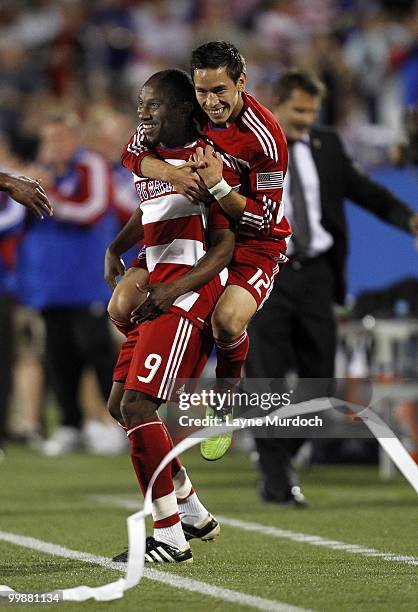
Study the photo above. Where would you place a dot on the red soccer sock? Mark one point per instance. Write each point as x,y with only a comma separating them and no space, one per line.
230,356
150,443
190,507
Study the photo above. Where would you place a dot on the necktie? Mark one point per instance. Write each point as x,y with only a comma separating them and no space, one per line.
301,228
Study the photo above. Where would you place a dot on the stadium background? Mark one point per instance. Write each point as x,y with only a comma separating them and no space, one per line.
90,57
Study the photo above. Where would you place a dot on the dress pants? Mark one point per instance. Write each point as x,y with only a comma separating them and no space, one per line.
295,331
77,338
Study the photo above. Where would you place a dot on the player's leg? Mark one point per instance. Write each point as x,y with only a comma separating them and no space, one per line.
120,373
126,297
251,277
250,281
180,478
149,444
196,520
232,313
114,402
160,357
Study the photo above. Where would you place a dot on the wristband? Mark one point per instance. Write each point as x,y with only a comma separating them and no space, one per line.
220,190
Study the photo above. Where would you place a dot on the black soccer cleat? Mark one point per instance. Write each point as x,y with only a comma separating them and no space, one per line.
121,557
160,552
207,531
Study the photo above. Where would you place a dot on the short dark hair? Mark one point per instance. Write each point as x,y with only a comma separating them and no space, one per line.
176,84
218,54
298,79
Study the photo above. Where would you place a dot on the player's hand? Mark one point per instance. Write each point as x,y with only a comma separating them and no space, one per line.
113,267
29,193
413,224
44,175
160,298
212,168
186,181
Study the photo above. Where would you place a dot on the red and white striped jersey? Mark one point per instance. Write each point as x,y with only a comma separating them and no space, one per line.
254,149
174,232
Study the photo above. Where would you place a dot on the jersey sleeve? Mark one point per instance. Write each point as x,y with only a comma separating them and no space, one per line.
263,210
136,149
218,219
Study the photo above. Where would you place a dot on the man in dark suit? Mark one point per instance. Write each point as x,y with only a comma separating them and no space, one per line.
296,331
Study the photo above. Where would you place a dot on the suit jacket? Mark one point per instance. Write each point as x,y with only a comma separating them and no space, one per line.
340,178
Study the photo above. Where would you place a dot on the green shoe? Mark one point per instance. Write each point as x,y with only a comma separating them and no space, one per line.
215,448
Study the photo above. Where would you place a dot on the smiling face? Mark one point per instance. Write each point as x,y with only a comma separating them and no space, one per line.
153,111
218,95
163,120
298,113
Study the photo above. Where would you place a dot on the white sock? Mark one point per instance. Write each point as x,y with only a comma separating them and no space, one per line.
173,535
182,484
192,511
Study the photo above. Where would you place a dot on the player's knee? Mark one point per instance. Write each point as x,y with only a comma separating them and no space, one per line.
120,306
115,398
227,323
114,410
134,410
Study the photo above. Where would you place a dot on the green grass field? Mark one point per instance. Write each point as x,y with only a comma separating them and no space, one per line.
50,499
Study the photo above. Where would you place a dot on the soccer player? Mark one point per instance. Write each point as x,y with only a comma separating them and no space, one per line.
253,144
177,344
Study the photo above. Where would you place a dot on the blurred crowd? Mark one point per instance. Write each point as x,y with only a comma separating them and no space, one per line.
70,71
92,56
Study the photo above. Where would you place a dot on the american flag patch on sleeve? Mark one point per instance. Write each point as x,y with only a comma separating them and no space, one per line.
269,180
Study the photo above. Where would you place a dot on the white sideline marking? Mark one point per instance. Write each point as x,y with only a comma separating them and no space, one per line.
295,536
317,541
188,584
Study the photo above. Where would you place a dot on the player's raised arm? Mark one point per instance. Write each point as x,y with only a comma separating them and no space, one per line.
211,171
27,192
261,210
139,157
130,234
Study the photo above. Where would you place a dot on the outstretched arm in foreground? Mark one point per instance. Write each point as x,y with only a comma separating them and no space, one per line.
27,192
